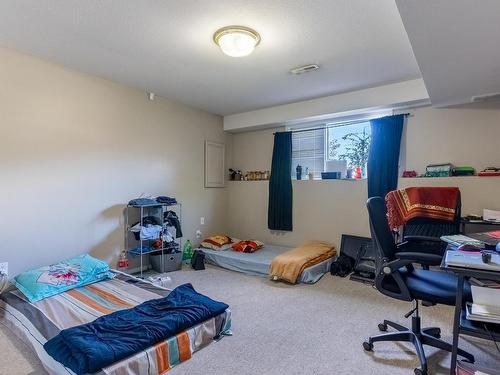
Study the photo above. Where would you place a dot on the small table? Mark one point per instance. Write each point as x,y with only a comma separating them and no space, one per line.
460,323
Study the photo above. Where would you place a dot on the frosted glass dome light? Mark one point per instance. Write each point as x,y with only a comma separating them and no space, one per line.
237,41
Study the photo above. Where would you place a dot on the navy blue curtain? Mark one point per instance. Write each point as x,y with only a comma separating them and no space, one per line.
383,157
279,215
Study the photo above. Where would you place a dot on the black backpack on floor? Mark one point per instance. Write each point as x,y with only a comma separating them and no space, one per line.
342,266
198,260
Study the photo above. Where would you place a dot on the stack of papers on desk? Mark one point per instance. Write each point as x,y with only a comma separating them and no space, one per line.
487,314
486,304
460,239
464,259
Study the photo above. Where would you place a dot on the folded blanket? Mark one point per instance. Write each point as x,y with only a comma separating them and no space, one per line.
290,265
426,202
90,347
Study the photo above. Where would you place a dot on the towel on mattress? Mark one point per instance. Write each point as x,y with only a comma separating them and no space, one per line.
89,347
289,265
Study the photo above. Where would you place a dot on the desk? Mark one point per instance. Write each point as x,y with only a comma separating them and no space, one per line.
460,323
465,222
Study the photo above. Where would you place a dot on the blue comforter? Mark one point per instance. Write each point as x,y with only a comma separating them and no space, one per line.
90,347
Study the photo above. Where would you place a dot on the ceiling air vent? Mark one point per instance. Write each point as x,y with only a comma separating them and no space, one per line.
304,69
485,97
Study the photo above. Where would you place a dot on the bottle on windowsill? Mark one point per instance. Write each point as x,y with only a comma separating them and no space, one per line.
357,174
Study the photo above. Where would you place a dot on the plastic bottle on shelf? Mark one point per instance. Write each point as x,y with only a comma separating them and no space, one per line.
187,252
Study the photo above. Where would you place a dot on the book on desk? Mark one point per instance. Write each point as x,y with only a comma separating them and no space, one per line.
485,306
483,239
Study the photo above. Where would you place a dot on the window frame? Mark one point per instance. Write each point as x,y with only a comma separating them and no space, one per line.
325,125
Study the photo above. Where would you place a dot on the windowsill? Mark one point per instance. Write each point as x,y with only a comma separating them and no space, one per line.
330,179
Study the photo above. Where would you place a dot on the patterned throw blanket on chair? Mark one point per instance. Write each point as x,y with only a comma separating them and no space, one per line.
426,202
290,265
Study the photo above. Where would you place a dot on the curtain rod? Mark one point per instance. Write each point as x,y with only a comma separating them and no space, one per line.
341,123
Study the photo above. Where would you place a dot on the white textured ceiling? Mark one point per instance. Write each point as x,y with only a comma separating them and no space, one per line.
165,46
457,45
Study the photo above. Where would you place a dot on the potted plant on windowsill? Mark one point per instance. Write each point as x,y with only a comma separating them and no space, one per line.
357,152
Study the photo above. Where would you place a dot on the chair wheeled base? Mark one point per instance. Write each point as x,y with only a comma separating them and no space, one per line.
417,336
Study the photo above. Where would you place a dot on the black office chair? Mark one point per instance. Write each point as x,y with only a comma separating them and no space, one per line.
424,233
396,277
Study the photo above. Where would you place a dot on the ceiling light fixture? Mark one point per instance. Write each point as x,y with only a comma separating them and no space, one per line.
237,41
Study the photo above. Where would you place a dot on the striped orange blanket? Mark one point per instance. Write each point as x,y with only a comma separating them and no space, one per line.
430,202
40,321
290,265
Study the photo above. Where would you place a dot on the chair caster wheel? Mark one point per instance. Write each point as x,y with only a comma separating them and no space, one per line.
438,334
367,346
418,371
382,327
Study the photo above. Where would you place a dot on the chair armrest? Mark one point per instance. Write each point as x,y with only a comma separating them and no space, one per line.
407,259
421,239
420,258
395,265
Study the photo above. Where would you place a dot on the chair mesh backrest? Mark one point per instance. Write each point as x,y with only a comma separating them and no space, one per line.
432,228
381,233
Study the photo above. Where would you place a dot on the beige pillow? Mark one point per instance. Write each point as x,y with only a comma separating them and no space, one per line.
217,242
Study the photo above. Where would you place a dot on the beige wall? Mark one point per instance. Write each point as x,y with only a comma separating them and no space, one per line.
322,210
326,209
75,148
252,151
462,136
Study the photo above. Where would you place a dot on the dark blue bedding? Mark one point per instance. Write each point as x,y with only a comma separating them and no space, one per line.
90,347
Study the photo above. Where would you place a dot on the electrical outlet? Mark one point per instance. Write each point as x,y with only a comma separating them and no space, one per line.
4,269
198,234
202,220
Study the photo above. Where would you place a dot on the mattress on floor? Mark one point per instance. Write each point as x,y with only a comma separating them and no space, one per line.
35,323
258,263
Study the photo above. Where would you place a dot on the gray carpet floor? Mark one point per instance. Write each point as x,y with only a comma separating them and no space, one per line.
301,329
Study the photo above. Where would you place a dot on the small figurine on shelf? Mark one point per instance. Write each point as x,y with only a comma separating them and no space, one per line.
235,175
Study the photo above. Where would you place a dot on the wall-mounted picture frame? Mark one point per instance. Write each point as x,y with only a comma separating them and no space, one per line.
214,164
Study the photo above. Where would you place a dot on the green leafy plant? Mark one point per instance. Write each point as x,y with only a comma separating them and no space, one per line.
333,145
357,149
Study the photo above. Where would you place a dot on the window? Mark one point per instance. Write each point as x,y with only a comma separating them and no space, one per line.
308,151
331,147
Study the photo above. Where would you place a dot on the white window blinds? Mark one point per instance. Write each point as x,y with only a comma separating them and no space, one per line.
308,150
